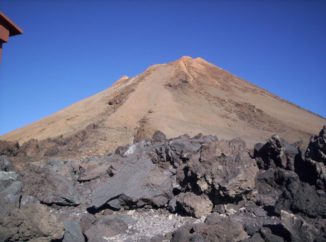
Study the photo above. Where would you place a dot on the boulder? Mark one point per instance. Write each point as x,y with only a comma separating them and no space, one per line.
31,148
73,232
279,189
10,191
86,221
215,228
276,152
298,228
253,218
184,147
136,184
10,197
56,189
5,164
31,223
96,167
175,151
193,205
105,228
270,185
223,170
300,197
290,228
317,147
9,148
312,168
274,234
158,137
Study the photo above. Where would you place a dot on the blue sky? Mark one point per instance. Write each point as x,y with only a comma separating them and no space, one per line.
73,49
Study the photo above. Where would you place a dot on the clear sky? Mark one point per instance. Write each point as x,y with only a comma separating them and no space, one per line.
72,49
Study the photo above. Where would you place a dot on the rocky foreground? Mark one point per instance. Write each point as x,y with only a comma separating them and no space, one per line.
181,189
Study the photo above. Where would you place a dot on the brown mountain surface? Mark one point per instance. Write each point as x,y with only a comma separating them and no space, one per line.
187,96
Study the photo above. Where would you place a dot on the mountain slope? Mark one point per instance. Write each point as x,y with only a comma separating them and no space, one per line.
187,96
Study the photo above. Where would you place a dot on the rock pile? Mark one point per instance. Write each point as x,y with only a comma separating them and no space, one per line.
181,189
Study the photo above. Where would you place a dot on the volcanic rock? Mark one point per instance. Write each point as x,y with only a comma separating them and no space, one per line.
298,228
31,223
253,218
9,148
10,192
276,153
302,198
5,164
194,205
55,189
158,136
138,183
271,183
223,170
317,147
139,192
73,232
105,228
215,228
312,168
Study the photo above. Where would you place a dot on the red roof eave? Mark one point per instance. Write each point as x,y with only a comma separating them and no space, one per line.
8,24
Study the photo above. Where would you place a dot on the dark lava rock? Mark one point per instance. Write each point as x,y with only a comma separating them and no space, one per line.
271,183
176,151
253,218
73,232
31,223
290,185
10,192
291,228
215,228
275,153
9,148
223,170
140,180
5,164
317,147
55,189
10,197
204,170
138,183
302,198
95,168
193,205
283,200
86,221
158,137
299,230
30,148
274,234
312,168
105,228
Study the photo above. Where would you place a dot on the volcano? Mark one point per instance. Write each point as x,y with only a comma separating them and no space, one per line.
106,168
186,96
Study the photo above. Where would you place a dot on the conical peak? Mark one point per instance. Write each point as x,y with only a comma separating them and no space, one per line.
189,58
185,60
